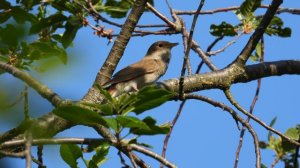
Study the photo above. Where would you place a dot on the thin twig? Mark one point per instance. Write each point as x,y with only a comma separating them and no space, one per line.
152,155
276,160
210,53
219,38
229,96
166,141
28,149
13,154
16,101
26,110
40,165
161,16
188,48
87,141
145,33
251,108
295,159
197,49
236,117
43,90
136,159
132,160
185,46
123,160
209,48
97,16
40,155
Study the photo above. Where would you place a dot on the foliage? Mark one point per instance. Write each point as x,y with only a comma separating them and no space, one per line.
283,150
34,30
116,117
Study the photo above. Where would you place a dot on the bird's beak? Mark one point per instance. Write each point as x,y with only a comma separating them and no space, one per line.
171,45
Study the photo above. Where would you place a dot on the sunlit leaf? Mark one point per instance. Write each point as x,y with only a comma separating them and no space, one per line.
152,128
70,153
271,125
249,6
100,156
115,8
47,22
43,49
276,28
292,133
80,115
150,97
72,26
131,122
223,29
112,123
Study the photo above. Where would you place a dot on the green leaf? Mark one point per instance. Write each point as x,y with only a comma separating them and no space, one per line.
152,128
72,26
4,16
100,156
249,6
43,49
256,57
80,115
292,133
150,97
263,166
57,18
263,144
276,28
223,29
112,123
131,122
70,153
4,4
106,109
21,15
271,125
11,35
115,8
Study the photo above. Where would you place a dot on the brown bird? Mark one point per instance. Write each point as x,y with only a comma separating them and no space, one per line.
144,72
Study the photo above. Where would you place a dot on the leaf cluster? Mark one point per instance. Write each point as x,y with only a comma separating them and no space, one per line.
283,150
116,115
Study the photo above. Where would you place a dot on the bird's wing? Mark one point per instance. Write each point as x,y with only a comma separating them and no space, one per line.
134,70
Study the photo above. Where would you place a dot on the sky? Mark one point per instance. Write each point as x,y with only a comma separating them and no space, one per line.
204,136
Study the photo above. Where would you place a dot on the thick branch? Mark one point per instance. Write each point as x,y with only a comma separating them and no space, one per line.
219,10
222,79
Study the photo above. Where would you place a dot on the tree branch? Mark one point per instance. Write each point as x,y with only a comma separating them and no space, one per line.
222,79
219,10
152,155
256,119
235,116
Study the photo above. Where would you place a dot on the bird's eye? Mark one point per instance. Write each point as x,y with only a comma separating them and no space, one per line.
160,45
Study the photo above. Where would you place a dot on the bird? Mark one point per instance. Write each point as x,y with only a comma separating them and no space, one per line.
144,72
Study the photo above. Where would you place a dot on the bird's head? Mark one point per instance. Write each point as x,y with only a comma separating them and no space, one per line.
160,49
